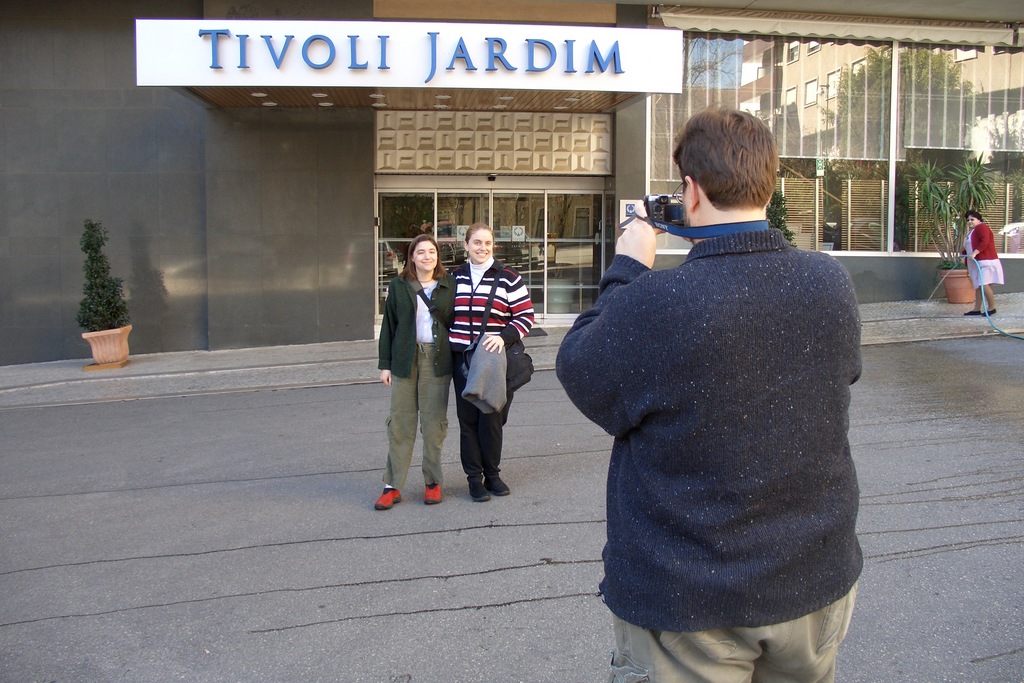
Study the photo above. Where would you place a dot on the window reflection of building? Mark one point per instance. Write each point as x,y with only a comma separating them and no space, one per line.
834,138
833,84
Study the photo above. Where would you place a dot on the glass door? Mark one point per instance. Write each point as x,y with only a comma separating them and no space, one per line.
573,255
400,217
554,239
519,237
456,211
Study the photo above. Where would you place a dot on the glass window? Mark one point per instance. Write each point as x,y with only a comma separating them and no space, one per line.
519,233
954,106
401,217
834,156
455,213
792,51
572,252
554,239
965,54
811,92
833,84
953,102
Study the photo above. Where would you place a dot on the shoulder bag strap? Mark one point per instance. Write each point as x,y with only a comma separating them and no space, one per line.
418,288
490,301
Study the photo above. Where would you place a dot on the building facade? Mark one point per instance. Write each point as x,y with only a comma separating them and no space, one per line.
275,214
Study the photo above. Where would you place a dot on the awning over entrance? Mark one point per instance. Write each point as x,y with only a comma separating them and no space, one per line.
850,27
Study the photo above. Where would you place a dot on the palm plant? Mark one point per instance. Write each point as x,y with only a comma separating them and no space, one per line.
947,200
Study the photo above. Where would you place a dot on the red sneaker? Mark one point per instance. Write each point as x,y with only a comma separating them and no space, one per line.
432,496
388,499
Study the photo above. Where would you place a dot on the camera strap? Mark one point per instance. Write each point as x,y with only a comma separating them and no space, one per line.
704,231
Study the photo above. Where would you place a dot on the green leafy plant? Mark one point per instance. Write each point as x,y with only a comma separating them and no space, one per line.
777,215
103,306
946,196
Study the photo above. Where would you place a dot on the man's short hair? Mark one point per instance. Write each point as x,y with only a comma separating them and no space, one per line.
732,156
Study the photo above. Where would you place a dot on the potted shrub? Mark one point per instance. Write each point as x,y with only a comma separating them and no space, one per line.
946,201
103,311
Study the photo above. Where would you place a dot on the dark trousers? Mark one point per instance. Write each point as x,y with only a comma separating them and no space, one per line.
480,434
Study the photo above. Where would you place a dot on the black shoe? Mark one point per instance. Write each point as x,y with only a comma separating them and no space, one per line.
973,313
477,491
496,486
992,312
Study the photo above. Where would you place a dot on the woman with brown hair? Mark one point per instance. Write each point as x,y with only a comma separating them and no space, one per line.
415,360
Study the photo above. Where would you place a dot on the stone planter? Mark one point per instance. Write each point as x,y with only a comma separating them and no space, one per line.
109,348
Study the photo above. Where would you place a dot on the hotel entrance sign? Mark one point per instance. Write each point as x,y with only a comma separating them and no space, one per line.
249,53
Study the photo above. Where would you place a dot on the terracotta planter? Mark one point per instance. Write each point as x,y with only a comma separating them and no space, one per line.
957,284
109,347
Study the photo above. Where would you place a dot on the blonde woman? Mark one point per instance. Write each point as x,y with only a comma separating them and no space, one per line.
510,319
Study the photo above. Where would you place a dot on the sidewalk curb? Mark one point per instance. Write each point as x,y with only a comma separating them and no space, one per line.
190,373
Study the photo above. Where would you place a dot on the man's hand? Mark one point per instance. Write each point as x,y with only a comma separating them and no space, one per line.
639,239
385,377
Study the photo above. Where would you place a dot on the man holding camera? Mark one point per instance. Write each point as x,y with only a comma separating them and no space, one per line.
732,496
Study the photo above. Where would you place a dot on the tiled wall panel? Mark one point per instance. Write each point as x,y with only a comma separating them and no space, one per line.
494,142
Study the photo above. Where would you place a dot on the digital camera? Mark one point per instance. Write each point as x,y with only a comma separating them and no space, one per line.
664,208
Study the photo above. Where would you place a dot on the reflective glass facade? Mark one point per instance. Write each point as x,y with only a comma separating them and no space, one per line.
851,121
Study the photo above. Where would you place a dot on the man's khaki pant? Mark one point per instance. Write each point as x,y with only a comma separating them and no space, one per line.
798,651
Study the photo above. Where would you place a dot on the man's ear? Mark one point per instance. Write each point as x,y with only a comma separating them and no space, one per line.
693,195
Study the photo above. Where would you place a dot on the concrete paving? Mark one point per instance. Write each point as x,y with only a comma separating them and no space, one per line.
207,516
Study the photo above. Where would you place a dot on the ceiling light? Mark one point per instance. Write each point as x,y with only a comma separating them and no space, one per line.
572,99
500,106
326,104
258,94
560,106
376,96
507,97
379,104
441,106
270,104
319,94
442,97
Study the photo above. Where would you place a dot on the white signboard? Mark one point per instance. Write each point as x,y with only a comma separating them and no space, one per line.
255,53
